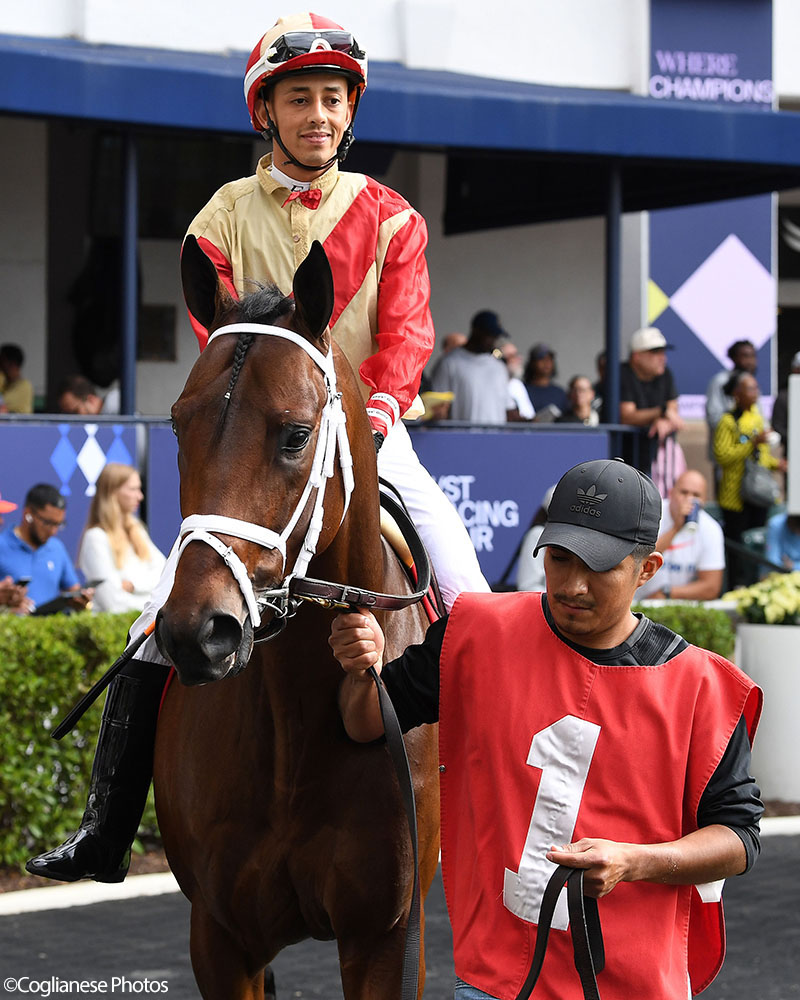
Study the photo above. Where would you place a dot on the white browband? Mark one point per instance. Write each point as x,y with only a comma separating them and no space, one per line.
332,438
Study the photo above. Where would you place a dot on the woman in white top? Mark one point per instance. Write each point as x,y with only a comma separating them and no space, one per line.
115,547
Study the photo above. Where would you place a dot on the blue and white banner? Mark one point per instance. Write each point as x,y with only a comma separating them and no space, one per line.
711,268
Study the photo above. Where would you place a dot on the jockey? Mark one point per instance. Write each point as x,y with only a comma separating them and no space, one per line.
303,83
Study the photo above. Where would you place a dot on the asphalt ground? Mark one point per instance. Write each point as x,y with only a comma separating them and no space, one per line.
146,939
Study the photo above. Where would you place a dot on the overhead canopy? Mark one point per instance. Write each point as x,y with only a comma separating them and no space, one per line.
561,142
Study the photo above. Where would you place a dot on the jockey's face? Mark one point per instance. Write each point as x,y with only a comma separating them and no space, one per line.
312,112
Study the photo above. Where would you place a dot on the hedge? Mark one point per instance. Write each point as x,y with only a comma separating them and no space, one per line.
46,664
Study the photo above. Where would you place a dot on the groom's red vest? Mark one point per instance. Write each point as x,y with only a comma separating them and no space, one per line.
540,747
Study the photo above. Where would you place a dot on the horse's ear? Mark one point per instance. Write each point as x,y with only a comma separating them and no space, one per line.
313,292
202,289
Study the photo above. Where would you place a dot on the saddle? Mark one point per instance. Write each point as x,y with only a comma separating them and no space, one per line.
397,527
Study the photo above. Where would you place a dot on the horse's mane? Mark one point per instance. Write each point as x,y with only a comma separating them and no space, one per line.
265,305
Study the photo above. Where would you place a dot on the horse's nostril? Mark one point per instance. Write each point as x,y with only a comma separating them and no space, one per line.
220,636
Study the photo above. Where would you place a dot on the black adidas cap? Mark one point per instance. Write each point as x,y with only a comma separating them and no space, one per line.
600,510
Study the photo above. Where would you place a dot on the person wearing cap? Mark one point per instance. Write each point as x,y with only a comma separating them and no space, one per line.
476,377
574,732
303,84
546,396
649,399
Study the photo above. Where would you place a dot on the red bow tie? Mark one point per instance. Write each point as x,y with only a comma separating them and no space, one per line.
310,198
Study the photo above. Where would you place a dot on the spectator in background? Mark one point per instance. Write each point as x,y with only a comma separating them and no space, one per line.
783,541
581,403
743,357
12,594
692,544
538,378
437,404
32,550
477,379
115,547
600,386
741,434
530,568
516,387
17,392
649,399
780,410
77,396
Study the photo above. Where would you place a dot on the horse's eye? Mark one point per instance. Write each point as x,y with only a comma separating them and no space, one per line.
296,439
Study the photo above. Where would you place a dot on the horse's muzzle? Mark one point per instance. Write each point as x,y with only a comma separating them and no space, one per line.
215,646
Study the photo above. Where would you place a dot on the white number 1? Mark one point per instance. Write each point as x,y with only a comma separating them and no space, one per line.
564,752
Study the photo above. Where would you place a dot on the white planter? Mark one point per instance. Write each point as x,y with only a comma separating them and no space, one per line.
770,654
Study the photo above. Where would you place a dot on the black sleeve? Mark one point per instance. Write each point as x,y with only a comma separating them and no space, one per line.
412,680
627,390
671,390
732,797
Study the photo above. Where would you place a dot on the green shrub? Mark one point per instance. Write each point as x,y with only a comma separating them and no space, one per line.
709,628
46,664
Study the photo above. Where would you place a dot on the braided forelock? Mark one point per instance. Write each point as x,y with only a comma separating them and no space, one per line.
263,306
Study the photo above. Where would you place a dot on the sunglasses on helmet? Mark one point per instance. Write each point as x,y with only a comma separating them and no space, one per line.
298,43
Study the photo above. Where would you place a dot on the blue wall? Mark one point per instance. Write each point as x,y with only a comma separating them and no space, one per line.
496,479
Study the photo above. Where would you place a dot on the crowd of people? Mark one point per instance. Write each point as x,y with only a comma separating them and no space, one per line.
482,378
117,562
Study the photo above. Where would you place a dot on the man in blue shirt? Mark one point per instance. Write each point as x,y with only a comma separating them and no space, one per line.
33,551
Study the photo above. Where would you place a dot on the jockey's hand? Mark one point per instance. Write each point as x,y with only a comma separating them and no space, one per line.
357,642
606,863
377,440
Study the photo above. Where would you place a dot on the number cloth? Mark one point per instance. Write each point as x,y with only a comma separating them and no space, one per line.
578,749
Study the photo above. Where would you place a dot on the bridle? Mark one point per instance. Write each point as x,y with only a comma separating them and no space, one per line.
332,439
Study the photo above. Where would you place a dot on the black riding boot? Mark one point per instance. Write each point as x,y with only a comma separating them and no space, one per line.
121,775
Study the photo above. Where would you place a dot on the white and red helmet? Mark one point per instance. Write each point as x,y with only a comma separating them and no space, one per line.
303,43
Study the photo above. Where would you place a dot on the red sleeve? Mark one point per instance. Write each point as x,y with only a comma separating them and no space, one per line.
405,328
225,272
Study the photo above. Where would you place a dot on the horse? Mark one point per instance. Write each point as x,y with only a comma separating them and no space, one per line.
277,826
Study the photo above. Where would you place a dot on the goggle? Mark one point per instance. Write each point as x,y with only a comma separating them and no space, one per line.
299,43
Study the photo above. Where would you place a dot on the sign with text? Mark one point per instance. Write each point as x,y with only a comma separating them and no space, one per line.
495,480
711,272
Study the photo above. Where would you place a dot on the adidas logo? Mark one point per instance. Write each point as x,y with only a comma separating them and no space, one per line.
590,496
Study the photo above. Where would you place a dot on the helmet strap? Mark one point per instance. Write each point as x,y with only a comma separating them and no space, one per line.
271,134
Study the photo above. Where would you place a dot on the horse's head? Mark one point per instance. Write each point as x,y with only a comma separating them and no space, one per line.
257,426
